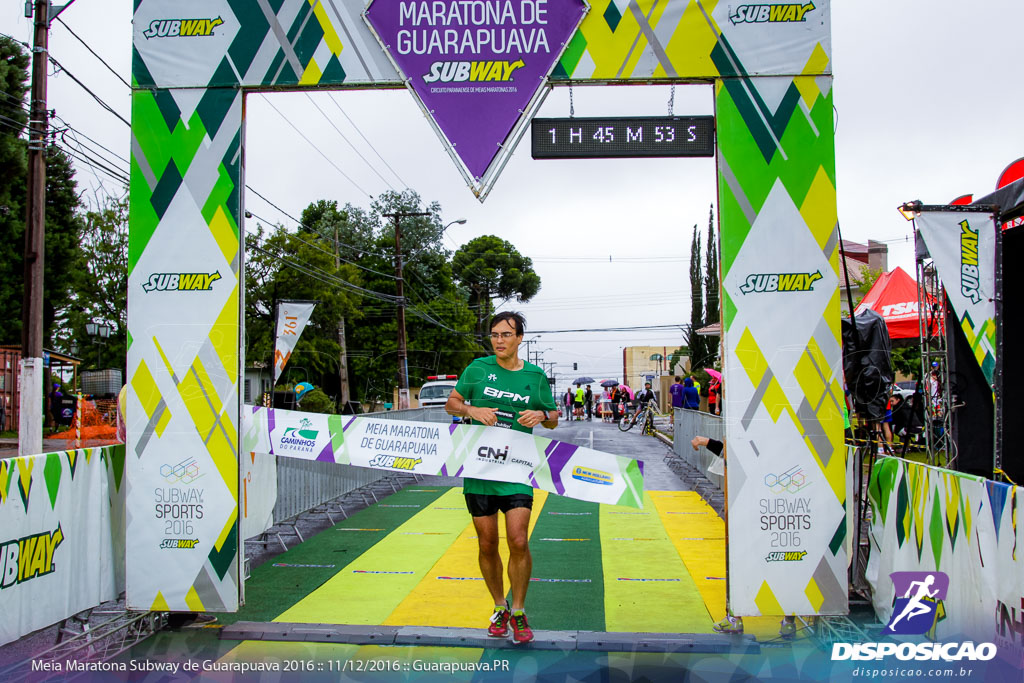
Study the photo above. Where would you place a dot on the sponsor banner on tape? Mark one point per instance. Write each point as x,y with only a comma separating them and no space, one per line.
447,450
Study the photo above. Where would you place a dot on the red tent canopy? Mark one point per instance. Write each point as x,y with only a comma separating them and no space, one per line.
894,297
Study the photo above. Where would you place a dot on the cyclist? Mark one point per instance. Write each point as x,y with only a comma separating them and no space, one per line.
644,397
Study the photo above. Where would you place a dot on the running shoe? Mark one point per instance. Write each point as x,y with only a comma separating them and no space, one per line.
499,623
521,632
787,629
730,624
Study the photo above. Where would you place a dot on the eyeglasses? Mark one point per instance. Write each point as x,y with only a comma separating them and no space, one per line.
502,335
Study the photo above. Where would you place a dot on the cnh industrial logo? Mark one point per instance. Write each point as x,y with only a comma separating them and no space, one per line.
914,613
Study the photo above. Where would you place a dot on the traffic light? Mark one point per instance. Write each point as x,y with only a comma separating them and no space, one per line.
573,366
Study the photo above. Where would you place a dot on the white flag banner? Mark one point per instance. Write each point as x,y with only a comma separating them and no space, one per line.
292,317
963,246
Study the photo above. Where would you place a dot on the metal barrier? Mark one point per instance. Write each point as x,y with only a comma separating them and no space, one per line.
690,423
303,485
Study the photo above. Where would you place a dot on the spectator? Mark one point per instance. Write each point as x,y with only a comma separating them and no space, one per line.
676,391
691,399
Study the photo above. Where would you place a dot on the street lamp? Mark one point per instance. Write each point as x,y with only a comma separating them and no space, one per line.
98,332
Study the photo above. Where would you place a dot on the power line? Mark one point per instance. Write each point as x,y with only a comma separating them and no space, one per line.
103,61
336,104
96,97
318,150
328,119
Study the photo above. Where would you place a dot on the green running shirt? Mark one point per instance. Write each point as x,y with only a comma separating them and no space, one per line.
486,384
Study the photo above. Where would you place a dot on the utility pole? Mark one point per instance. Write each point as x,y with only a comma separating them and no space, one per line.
30,422
403,353
346,396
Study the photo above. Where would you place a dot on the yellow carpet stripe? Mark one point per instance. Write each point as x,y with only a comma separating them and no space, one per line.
356,598
698,534
458,603
669,606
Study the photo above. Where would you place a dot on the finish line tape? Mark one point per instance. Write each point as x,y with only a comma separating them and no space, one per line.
480,578
626,579
367,571
564,539
317,566
396,506
355,529
569,513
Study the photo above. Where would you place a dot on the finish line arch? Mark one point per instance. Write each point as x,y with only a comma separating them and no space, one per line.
193,62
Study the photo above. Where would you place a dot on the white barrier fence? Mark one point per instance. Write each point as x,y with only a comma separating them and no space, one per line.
691,423
62,538
928,521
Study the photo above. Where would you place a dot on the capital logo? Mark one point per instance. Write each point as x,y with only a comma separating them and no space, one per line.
790,481
780,282
590,476
26,558
902,308
394,462
180,282
303,431
492,377
970,275
488,453
770,14
181,28
179,543
185,472
501,393
917,598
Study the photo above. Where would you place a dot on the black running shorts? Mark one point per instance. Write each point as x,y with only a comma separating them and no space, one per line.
481,505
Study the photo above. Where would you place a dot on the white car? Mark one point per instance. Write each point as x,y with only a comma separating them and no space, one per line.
435,390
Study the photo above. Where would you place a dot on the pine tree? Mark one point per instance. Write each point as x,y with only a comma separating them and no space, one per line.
711,292
698,347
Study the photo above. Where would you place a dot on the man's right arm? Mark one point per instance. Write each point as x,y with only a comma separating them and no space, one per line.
458,407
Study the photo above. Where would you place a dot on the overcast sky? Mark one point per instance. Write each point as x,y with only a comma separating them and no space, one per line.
927,108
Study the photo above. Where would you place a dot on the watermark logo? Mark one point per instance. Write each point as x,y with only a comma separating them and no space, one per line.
181,28
771,14
918,595
780,282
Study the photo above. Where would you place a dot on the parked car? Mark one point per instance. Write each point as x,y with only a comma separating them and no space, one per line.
436,389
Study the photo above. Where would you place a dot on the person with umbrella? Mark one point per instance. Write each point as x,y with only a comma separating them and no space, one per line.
605,409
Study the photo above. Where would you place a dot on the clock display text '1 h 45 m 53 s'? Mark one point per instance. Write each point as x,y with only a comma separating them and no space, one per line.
621,137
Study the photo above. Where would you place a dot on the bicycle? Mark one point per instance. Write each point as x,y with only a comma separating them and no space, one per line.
647,414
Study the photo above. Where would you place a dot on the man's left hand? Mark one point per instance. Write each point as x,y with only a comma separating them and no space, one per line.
531,418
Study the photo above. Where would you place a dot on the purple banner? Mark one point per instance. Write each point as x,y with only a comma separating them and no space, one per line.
475,64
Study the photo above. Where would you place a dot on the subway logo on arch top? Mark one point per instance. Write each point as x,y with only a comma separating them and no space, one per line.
771,14
181,28
780,282
472,72
180,282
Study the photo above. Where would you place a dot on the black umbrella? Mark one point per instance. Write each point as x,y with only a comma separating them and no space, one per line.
583,380
610,383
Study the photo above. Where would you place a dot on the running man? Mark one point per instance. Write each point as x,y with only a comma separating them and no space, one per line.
519,398
916,607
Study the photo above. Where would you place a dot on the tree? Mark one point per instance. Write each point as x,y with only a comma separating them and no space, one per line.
711,293
283,265
489,267
101,289
696,342
439,322
863,279
62,258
